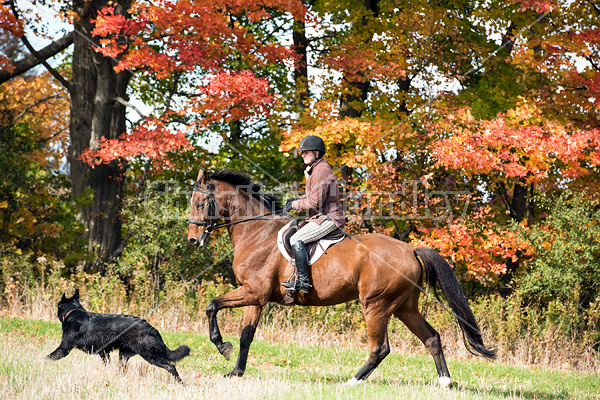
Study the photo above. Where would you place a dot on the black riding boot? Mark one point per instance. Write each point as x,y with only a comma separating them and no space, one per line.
301,259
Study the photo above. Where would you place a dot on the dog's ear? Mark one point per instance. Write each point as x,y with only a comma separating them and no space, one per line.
76,295
63,298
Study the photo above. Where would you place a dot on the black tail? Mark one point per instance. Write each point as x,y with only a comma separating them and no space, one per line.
179,353
437,269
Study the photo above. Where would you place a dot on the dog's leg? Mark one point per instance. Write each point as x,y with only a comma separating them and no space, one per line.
124,356
164,364
104,356
62,351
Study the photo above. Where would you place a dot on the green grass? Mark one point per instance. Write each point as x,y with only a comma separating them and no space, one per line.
275,371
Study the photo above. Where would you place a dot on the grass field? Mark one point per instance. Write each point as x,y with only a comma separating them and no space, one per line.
275,371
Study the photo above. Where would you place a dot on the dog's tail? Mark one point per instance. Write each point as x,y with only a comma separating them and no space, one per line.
179,353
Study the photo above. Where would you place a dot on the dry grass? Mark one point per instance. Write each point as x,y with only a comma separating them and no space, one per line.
80,376
276,371
27,375
551,351
282,364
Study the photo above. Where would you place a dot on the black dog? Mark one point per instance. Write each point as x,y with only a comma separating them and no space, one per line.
102,333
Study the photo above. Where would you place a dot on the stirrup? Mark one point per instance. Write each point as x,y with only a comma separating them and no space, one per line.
301,285
290,284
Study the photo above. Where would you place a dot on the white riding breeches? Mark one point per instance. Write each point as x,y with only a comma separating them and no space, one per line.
312,231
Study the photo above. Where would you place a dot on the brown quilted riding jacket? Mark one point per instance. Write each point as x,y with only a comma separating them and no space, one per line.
322,197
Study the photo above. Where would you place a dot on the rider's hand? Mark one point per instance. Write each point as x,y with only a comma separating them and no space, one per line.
288,204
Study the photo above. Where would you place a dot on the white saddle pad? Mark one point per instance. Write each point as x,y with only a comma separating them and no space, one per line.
322,246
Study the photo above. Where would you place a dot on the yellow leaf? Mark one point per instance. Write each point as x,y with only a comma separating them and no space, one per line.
4,204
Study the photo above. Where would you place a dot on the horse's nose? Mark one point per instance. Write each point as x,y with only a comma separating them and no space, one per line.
194,241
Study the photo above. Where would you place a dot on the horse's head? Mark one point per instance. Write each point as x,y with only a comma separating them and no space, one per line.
227,195
204,213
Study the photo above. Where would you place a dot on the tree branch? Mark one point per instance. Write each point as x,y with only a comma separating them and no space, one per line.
591,61
43,99
37,55
128,104
22,241
172,91
31,61
503,192
42,60
595,7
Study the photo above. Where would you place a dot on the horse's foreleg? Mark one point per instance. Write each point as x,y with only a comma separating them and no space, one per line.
251,318
214,331
379,345
239,297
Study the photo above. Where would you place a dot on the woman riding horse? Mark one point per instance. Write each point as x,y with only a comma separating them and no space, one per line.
385,274
321,200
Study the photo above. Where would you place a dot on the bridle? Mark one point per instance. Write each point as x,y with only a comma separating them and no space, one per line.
211,217
211,206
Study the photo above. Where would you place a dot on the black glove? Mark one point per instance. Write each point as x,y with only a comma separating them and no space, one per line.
288,204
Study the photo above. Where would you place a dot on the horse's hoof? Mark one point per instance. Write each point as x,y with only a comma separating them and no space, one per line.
445,382
235,372
226,351
354,382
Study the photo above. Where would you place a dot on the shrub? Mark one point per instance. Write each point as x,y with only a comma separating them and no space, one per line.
566,266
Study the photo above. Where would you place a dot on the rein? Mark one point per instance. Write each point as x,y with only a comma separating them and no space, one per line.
224,224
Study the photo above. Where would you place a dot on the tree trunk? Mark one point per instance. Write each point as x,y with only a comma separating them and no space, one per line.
95,114
301,65
517,210
519,206
354,94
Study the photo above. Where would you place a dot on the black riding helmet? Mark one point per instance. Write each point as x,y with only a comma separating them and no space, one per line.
312,143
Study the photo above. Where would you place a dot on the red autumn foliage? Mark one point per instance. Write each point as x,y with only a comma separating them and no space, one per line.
539,6
152,140
518,144
233,96
203,36
475,243
184,36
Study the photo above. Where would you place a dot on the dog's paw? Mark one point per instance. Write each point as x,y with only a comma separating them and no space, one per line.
54,356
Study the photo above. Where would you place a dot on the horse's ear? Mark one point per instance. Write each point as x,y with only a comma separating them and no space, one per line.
76,295
201,176
63,298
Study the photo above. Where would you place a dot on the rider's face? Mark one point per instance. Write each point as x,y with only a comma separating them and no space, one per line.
307,156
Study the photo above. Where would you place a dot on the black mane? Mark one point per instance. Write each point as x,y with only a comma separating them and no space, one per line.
242,181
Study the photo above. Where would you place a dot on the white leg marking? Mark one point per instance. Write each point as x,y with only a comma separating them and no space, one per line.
445,381
354,382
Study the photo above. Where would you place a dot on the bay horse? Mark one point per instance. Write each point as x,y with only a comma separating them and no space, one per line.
385,274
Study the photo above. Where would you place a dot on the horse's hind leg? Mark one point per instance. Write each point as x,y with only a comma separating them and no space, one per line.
251,318
379,345
412,318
